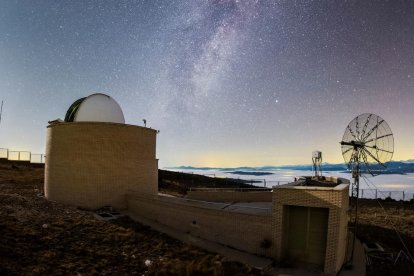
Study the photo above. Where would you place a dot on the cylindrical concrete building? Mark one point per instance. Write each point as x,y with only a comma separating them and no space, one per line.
94,164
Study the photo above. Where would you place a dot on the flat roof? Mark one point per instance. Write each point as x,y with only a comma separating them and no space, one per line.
317,183
251,208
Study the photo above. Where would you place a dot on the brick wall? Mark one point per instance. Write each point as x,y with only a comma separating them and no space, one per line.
247,231
93,164
231,196
343,230
335,199
242,231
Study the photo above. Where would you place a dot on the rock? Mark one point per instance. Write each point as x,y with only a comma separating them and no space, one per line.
44,226
148,263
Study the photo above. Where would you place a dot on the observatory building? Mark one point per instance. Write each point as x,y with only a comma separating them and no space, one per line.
94,158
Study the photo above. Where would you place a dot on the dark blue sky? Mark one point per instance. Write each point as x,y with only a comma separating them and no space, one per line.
228,83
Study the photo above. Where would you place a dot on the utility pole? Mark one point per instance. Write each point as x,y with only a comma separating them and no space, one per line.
1,110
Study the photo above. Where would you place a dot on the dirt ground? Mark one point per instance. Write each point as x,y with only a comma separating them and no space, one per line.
39,237
378,225
43,237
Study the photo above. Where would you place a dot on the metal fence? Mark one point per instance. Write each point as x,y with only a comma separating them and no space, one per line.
4,153
384,194
19,155
38,158
259,182
26,156
277,183
363,193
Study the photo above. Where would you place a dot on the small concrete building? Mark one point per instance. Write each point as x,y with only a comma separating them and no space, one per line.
311,222
303,223
94,158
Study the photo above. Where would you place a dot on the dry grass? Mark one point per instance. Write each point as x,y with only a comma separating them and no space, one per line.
42,237
378,226
39,237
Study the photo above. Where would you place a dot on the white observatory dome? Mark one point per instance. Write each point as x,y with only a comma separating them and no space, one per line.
95,108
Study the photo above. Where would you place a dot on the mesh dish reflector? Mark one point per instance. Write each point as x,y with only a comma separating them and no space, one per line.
99,108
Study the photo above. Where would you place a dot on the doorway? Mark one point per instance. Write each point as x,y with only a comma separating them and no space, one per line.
305,235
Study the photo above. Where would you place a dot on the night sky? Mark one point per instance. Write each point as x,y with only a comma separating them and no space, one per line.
228,83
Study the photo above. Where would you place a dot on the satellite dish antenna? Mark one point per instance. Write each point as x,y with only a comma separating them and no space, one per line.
367,146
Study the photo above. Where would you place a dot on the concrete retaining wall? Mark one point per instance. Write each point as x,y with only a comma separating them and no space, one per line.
241,231
231,196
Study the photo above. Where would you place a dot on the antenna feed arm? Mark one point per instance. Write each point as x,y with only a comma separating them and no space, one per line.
355,144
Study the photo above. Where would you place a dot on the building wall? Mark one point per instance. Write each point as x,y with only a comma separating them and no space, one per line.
230,196
335,199
93,164
242,231
343,230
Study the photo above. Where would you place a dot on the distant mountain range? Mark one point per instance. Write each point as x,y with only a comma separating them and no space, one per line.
393,167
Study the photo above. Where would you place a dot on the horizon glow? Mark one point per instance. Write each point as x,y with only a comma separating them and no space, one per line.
229,83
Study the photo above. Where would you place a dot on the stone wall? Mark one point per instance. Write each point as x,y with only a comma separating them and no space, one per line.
93,164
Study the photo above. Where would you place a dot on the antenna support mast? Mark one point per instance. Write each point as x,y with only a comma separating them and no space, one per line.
317,162
1,110
367,145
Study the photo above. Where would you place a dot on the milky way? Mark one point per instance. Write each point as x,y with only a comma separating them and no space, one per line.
228,83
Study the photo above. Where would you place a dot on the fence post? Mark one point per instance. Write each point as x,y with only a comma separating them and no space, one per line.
403,196
390,194
362,193
376,193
